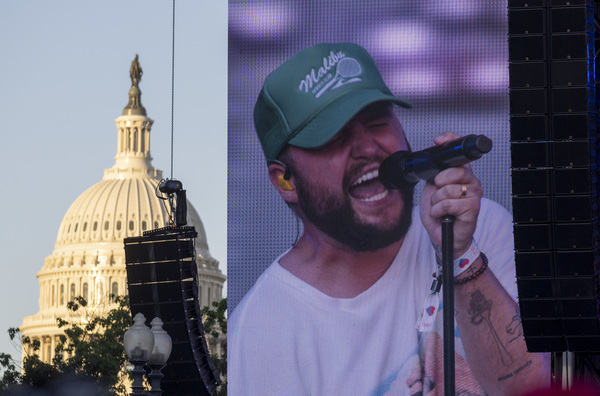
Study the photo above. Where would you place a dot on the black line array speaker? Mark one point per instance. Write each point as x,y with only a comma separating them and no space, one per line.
554,144
162,282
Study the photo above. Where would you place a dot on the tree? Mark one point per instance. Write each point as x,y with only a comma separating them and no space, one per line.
215,326
92,346
10,374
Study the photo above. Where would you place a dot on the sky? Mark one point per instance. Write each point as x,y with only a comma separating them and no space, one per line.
64,78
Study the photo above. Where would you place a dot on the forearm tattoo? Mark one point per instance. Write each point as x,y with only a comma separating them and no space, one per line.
515,331
517,371
515,328
480,310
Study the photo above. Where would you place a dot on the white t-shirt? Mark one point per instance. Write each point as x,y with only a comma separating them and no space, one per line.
288,338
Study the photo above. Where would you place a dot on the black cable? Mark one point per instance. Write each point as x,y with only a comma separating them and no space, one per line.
168,209
172,86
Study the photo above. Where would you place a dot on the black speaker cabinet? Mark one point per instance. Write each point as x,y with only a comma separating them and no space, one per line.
554,161
162,281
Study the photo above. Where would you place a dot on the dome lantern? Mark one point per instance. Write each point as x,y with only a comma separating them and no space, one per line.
133,138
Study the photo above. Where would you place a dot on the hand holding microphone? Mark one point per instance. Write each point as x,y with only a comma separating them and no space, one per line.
403,169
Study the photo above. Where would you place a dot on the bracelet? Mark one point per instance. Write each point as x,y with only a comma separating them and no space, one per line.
475,274
463,263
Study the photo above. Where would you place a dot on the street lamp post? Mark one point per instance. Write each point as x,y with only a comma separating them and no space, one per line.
158,357
145,346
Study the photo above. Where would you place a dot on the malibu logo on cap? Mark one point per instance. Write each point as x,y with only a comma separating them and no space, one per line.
317,82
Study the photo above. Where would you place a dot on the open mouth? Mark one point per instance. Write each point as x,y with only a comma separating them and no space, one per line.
368,188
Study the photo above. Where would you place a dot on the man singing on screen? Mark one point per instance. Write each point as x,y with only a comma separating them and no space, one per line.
349,309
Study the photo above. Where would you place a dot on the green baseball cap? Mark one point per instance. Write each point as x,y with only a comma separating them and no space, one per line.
309,98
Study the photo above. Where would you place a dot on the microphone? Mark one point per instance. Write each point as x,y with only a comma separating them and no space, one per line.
403,169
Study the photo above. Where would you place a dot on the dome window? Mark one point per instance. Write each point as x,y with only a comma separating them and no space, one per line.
155,224
144,225
131,225
85,291
99,291
62,294
76,225
118,225
72,291
95,226
85,226
106,225
69,229
114,291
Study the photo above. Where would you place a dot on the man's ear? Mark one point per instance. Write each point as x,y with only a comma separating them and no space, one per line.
283,182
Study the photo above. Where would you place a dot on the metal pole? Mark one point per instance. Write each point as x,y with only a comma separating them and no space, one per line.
138,372
568,370
155,376
448,298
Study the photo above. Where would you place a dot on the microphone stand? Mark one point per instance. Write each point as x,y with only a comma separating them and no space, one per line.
448,298
402,170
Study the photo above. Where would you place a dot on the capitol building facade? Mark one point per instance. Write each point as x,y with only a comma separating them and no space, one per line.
89,258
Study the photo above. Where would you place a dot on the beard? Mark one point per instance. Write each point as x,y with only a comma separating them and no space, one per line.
333,214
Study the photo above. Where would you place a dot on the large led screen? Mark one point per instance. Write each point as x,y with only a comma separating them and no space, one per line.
447,57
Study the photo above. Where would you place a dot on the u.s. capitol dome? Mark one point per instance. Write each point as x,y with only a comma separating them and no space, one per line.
89,258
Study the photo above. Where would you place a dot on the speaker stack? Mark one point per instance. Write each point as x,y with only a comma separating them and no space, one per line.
162,282
553,119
